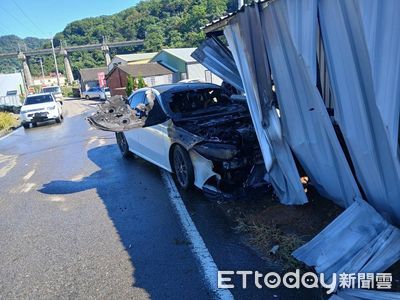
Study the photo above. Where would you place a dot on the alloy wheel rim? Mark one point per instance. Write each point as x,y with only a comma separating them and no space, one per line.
180,169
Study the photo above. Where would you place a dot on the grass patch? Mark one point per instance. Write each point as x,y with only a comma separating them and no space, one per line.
7,121
265,237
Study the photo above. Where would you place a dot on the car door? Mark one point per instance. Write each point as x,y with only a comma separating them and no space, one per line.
154,139
133,135
89,93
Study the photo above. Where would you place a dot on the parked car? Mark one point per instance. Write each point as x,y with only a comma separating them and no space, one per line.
40,108
56,90
193,130
97,93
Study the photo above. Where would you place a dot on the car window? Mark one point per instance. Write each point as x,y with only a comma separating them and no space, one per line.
38,99
136,98
51,89
197,100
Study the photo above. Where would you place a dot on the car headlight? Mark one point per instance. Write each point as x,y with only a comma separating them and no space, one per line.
51,107
216,151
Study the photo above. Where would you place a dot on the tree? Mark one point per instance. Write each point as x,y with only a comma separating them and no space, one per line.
141,83
129,85
135,84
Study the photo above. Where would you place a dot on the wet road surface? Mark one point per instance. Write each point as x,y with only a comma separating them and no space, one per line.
79,221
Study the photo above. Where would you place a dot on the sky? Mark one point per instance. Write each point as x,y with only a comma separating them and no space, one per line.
44,18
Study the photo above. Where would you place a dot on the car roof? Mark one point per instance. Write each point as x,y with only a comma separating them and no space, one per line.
38,94
181,87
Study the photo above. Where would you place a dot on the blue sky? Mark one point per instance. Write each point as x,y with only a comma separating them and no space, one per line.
44,18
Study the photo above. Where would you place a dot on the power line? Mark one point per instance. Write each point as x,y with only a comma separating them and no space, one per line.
27,16
18,20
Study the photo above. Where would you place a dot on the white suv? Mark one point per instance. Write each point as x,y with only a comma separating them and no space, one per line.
40,108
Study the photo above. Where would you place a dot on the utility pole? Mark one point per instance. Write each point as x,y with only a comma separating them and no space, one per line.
55,62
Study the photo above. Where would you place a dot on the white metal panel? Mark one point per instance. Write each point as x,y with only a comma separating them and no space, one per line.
306,123
245,40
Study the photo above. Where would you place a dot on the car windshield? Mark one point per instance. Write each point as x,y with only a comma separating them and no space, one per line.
38,99
196,101
52,89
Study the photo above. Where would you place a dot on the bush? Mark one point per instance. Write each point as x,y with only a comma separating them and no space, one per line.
67,91
7,121
129,85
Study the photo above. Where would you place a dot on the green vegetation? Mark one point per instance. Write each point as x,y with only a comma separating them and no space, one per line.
141,83
129,85
7,121
162,23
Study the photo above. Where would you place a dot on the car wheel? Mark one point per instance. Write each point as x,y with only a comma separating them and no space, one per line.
34,124
26,125
58,120
123,145
87,97
183,167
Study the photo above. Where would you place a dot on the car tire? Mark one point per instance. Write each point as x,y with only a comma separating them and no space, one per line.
59,119
87,97
123,145
183,167
34,124
26,125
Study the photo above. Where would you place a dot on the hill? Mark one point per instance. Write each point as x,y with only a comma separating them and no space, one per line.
162,23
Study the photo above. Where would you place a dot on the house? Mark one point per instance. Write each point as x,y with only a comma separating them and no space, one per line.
90,77
152,73
130,59
185,67
49,80
11,84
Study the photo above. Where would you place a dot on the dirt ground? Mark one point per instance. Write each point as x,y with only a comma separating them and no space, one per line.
275,230
269,224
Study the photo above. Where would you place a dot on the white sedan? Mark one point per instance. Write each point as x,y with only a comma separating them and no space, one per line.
97,93
193,130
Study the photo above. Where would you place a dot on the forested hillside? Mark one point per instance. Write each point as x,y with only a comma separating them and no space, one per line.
162,23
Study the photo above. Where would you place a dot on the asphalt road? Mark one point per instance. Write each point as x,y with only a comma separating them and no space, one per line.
79,221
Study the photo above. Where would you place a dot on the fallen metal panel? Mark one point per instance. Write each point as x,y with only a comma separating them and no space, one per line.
302,25
245,39
358,240
306,124
215,57
381,25
356,110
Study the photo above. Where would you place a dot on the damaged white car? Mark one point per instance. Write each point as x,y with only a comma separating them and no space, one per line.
193,130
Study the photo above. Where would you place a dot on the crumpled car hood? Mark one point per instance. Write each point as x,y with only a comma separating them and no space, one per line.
117,116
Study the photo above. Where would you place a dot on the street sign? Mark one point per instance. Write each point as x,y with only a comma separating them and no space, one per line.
102,79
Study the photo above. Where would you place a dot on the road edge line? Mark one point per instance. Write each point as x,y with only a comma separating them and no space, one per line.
198,247
10,133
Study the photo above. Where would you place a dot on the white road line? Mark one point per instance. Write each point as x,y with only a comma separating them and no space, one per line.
9,134
207,264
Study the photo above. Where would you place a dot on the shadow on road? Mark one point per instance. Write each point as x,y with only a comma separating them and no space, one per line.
137,204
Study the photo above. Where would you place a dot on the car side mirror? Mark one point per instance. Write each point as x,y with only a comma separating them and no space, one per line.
61,102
